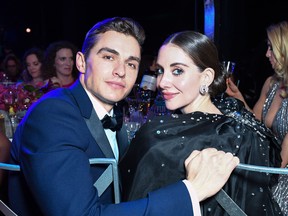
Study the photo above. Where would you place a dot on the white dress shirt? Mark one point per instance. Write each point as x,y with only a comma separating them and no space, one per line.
111,135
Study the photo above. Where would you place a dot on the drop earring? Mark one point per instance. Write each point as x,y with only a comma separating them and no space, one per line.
203,89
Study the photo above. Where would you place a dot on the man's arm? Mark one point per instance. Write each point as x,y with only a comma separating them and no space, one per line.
208,170
56,167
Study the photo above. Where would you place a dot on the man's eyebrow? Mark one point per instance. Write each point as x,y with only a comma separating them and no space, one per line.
134,58
107,49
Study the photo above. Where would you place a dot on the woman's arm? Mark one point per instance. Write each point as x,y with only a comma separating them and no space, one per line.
233,91
257,110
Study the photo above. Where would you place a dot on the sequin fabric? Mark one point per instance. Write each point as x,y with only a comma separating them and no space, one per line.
280,123
280,128
157,153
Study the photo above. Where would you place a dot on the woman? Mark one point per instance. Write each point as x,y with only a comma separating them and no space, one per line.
59,64
32,87
272,106
11,69
32,61
189,75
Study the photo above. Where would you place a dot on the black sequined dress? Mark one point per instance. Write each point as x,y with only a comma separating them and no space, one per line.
156,156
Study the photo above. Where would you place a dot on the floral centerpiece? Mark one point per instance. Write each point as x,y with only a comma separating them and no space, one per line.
21,96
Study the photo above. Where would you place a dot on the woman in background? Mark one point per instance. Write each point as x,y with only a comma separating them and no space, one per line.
272,106
32,61
11,69
59,64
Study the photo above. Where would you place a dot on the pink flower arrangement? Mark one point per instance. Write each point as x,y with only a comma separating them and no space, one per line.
21,96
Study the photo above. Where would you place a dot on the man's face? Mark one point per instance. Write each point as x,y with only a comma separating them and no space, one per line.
111,68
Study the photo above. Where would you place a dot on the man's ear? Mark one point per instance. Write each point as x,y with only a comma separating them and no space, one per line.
80,62
208,76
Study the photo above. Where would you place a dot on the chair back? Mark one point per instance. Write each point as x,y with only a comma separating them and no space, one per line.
107,177
3,207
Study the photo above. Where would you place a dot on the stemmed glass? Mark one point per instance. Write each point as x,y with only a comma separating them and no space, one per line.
133,115
229,68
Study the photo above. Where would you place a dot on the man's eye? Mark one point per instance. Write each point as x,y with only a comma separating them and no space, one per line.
108,57
132,65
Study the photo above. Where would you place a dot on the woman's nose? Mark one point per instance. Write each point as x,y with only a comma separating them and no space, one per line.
163,80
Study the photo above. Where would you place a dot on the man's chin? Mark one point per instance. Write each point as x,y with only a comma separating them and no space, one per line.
114,99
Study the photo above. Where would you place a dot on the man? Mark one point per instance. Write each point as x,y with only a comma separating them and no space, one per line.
63,130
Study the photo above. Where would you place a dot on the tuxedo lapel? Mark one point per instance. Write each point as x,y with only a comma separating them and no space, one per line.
122,141
96,129
94,124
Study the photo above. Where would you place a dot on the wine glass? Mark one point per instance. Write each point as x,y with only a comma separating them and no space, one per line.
229,68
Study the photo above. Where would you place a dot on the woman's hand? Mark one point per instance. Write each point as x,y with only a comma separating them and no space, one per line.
232,90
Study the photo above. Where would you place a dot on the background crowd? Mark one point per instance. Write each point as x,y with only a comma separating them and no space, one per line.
23,80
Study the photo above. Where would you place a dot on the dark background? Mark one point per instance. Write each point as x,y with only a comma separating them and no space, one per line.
240,25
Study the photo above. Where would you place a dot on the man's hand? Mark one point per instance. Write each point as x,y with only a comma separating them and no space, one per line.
208,170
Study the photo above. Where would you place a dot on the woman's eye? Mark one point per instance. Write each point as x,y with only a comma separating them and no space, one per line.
177,71
159,71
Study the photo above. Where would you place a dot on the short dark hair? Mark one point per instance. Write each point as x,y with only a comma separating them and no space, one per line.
123,25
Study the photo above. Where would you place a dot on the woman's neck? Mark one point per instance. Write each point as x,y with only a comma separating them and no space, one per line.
36,81
66,80
202,104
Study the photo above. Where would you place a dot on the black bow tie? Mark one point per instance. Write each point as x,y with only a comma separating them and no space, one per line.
113,123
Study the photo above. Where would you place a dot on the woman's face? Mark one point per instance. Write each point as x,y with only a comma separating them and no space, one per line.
178,79
12,69
64,62
33,66
270,55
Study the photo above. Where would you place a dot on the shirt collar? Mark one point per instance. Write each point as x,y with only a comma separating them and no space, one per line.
100,110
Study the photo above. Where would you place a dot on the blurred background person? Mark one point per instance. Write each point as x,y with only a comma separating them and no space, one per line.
272,106
32,62
59,64
11,69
